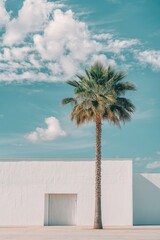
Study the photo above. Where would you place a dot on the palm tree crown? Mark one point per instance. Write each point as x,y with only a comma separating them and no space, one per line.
99,93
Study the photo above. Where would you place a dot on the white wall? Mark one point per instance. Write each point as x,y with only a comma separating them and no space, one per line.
24,183
146,199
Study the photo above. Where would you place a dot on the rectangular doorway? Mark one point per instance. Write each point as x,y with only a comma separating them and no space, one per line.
62,209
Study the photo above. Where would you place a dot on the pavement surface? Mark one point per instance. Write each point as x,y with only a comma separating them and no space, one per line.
79,233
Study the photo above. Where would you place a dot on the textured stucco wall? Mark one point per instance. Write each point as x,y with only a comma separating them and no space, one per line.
146,199
25,183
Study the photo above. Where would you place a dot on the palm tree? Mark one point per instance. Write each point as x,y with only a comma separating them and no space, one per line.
98,96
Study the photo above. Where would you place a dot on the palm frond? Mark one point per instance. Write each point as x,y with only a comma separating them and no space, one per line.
116,77
87,74
80,114
122,113
119,76
69,100
121,88
111,117
110,98
80,77
126,104
73,83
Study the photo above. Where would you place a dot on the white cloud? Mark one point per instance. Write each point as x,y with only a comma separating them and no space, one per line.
52,131
117,45
150,57
31,18
15,53
137,159
4,15
34,61
153,165
103,59
103,36
46,43
12,75
69,67
60,44
122,57
65,35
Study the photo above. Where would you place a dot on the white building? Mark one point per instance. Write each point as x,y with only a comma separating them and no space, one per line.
146,199
61,192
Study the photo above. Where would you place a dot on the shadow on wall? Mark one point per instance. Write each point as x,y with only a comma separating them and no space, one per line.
146,199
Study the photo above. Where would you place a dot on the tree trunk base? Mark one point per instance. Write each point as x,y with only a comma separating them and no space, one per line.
98,226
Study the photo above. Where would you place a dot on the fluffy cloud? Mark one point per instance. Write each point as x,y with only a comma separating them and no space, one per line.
4,15
31,18
103,59
46,42
153,165
64,35
150,57
9,76
52,131
117,45
142,159
103,36
15,53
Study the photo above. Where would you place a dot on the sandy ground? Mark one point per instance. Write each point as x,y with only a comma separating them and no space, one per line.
79,233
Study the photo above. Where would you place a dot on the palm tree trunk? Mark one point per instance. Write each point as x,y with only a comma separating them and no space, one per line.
98,217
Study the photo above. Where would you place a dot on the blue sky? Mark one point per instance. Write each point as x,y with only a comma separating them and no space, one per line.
44,43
